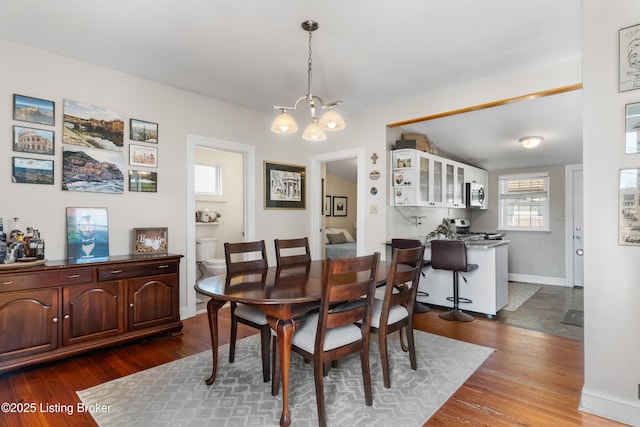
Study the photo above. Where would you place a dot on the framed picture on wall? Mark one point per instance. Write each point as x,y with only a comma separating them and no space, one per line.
32,140
140,130
284,186
143,181
32,171
339,207
629,207
33,110
143,156
629,58
327,206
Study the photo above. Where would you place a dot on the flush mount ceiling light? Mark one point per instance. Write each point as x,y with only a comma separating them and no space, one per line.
330,121
531,141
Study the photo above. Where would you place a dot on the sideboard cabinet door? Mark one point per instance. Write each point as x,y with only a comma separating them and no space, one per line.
29,323
152,300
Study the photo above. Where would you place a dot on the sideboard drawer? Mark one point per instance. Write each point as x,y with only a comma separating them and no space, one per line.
48,278
116,272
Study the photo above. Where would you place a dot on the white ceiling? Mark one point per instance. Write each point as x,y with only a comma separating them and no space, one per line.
253,53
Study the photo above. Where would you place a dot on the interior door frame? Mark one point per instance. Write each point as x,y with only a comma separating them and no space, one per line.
249,202
569,210
316,226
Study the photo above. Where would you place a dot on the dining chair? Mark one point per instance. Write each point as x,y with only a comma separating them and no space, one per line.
332,333
292,251
399,243
235,256
395,311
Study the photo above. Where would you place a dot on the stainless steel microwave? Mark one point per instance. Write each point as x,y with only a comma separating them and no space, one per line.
475,195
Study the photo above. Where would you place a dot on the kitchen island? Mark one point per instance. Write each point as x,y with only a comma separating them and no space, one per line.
486,287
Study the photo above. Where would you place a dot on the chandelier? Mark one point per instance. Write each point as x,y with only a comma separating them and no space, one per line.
330,121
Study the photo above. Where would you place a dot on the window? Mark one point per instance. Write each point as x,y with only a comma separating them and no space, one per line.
208,179
524,202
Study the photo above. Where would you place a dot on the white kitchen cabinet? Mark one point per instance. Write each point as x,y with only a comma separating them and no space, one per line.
423,179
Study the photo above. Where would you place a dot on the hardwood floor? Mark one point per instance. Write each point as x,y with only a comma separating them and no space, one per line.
532,379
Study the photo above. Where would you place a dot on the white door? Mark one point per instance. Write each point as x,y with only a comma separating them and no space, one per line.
578,230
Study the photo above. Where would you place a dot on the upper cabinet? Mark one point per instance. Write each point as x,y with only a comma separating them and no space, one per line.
422,179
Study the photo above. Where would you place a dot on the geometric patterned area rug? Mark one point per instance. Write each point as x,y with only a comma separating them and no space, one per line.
519,293
175,394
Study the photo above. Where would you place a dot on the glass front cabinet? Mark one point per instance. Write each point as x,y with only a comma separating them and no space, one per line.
423,179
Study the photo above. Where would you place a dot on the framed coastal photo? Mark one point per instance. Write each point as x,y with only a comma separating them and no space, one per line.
140,130
143,181
150,240
284,186
87,234
629,207
93,171
140,155
629,58
32,171
34,110
339,207
32,140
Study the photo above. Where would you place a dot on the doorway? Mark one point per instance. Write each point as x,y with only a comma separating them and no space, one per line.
316,236
188,294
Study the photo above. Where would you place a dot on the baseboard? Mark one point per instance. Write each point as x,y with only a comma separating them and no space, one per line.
541,280
620,410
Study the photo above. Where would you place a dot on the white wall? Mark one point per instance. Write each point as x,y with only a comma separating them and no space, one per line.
44,75
612,293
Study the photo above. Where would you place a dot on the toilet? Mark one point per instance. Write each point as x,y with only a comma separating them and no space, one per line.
205,256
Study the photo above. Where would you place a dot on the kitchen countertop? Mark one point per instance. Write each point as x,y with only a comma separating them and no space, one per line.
471,244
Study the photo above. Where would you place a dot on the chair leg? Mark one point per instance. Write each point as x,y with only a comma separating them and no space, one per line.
318,368
265,335
384,358
275,363
234,333
412,347
366,375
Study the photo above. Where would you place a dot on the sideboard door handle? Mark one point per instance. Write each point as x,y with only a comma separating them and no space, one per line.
131,305
55,320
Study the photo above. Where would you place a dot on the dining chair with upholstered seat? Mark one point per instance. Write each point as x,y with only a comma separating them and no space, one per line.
292,251
395,311
398,243
332,333
235,256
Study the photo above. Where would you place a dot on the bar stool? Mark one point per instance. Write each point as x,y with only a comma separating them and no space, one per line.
452,255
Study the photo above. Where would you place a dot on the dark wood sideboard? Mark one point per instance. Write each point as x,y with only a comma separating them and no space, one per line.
64,308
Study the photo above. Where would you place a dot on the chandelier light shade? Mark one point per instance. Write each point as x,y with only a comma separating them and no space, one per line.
531,141
331,121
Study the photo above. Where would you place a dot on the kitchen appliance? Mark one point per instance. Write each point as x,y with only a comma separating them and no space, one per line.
460,226
475,195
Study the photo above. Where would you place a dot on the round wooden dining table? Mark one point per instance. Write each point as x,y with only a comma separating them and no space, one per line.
284,293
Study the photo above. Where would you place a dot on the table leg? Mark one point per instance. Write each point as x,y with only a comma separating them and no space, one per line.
212,310
285,333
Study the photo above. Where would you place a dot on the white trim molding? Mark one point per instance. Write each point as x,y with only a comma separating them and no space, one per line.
541,280
602,405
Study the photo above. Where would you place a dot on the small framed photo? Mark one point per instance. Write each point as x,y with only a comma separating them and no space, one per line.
339,207
143,156
143,181
150,240
140,130
32,140
327,205
629,58
284,186
629,207
87,234
632,128
32,171
34,110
